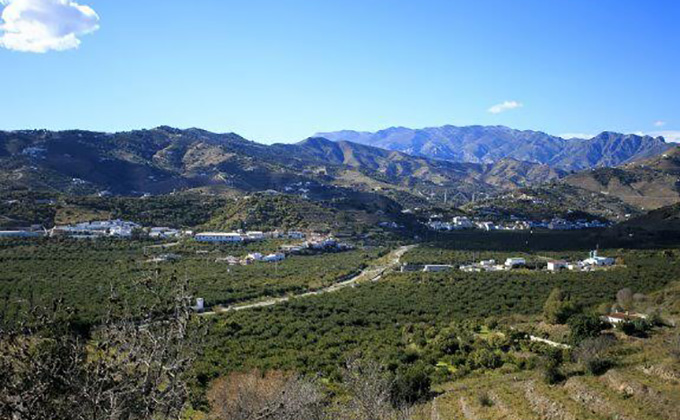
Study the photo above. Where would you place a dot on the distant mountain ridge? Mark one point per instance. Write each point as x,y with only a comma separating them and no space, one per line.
489,144
167,159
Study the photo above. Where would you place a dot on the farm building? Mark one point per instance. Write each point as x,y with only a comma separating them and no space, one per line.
557,265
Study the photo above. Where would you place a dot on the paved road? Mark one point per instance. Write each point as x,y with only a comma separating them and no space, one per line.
372,273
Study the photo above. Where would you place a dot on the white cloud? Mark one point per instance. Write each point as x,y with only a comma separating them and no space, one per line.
505,106
671,136
659,123
577,135
39,26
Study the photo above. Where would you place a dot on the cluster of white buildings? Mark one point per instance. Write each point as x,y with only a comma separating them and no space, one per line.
238,237
562,224
113,228
116,228
593,261
326,244
301,188
462,223
251,258
167,233
491,265
318,244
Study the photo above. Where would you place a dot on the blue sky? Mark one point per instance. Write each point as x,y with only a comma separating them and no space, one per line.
280,70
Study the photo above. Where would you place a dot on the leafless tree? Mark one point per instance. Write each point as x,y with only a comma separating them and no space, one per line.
273,395
674,347
369,388
624,299
126,369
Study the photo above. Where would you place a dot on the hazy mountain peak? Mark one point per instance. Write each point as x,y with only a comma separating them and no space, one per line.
489,144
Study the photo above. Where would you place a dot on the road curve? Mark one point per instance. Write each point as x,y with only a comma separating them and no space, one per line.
373,273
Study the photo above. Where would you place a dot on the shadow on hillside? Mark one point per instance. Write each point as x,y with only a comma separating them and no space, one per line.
555,240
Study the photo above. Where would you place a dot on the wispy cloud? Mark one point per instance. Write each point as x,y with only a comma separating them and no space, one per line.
39,26
669,135
505,106
659,123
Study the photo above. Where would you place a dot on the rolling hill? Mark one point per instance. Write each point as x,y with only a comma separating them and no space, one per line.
648,184
166,159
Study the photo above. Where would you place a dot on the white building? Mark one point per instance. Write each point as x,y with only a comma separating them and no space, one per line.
254,235
436,268
163,232
556,265
120,228
200,304
596,261
219,237
487,226
621,317
121,231
274,257
462,222
515,262
291,248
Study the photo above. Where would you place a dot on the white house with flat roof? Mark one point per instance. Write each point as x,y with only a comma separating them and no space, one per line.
274,257
557,265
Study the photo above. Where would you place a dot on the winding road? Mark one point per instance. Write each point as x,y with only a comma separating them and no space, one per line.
371,273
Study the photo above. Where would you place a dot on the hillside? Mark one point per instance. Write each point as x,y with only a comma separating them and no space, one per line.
658,225
643,384
281,212
489,144
554,199
646,184
402,169
165,159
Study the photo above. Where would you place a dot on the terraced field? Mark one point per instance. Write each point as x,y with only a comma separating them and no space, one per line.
614,396
643,384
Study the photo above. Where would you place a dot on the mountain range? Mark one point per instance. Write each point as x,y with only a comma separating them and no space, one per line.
166,159
489,144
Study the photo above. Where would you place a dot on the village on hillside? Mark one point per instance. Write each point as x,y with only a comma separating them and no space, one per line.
435,222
